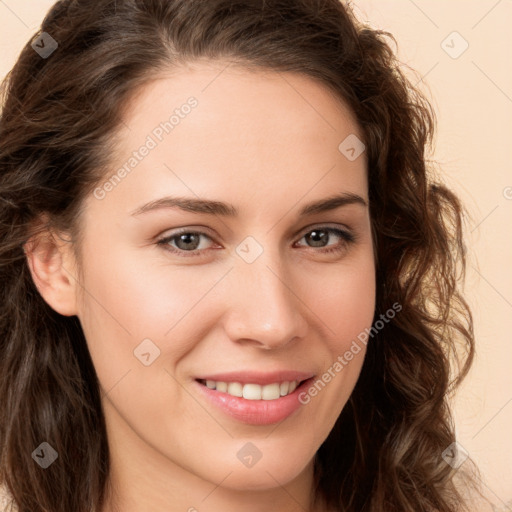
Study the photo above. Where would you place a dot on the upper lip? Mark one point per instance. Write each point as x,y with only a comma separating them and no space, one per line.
261,378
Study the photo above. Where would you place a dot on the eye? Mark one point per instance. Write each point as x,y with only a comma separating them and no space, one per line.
186,243
319,237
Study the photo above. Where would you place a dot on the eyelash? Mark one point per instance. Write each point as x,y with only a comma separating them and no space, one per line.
348,239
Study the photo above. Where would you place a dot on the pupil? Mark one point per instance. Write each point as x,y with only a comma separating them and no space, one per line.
316,238
186,238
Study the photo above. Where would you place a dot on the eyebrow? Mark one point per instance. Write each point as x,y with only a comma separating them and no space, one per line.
212,207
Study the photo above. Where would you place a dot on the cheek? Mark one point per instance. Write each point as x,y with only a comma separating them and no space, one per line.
344,299
135,293
127,301
345,304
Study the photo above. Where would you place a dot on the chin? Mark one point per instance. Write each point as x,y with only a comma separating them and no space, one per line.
277,470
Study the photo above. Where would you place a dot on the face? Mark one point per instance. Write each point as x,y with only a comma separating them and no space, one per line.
244,296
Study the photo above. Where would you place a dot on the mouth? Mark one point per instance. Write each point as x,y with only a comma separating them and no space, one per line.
253,391
252,403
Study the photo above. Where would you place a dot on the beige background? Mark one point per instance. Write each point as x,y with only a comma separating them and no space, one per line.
472,95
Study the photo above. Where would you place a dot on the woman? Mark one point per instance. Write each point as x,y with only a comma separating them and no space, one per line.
298,355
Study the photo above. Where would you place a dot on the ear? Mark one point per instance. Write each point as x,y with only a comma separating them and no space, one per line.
53,269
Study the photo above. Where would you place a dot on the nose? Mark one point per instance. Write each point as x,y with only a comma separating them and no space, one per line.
265,307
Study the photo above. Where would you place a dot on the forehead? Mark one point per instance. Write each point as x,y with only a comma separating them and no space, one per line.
215,129
231,96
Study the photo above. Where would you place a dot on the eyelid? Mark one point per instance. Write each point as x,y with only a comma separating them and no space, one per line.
187,229
316,225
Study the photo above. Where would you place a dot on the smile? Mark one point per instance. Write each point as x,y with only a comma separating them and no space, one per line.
252,391
272,400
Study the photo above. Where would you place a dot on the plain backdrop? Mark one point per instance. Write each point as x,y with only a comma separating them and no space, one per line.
462,53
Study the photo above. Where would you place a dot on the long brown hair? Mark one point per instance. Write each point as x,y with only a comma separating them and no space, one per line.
58,118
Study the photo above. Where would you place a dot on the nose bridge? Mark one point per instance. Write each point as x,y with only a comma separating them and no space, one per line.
263,305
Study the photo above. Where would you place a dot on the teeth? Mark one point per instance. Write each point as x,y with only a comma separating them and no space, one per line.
221,386
270,392
254,391
235,389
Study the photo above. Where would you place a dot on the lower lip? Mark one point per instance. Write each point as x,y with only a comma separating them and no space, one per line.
255,412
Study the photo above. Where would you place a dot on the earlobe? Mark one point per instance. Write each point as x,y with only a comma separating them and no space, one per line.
51,265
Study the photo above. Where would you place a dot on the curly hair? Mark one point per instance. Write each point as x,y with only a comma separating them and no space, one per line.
59,115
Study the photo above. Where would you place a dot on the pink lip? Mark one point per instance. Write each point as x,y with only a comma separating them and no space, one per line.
254,412
249,377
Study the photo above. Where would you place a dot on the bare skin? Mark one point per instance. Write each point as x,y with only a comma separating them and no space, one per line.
267,143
